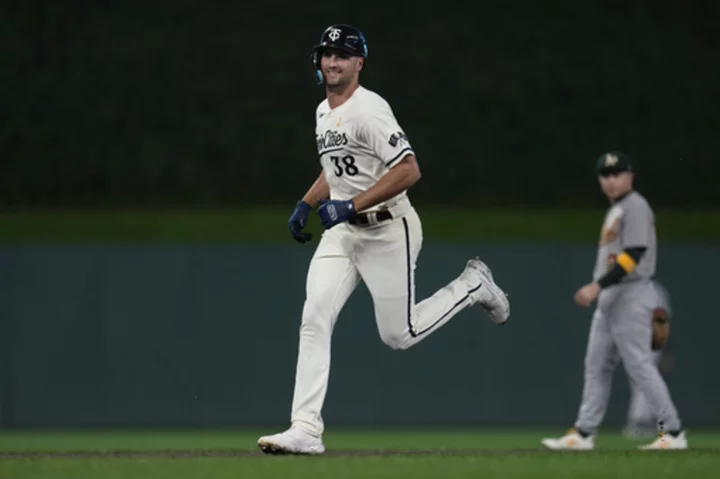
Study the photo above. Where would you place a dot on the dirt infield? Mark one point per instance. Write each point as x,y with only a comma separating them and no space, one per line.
197,453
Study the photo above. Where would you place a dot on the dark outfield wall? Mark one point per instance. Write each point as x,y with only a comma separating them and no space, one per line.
207,335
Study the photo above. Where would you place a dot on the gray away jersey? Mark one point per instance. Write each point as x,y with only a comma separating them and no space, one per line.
630,222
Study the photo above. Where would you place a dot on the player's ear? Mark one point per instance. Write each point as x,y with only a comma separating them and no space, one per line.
360,63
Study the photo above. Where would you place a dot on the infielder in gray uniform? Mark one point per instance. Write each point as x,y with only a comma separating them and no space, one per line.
621,325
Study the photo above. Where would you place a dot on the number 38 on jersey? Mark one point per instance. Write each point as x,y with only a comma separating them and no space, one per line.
344,165
335,142
358,143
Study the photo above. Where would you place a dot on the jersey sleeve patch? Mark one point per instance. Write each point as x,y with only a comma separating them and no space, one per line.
386,139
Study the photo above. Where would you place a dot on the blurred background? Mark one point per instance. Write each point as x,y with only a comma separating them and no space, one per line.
152,152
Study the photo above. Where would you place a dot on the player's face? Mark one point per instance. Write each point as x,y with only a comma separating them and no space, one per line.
339,67
615,184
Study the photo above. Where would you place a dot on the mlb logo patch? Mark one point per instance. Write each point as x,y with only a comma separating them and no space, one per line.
396,137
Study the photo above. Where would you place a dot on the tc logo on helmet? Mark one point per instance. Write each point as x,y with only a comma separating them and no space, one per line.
334,34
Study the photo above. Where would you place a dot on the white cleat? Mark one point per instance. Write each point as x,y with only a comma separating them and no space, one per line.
572,441
667,441
292,441
483,291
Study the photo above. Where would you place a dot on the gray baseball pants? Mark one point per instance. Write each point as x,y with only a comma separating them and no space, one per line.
621,330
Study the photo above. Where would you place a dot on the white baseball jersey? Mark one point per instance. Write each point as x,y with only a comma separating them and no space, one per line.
358,142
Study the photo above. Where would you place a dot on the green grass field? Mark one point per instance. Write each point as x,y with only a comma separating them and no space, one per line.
270,224
469,453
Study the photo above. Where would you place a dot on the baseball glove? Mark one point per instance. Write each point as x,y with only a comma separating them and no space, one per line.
660,329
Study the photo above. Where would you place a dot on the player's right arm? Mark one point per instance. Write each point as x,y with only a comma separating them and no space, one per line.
320,190
298,220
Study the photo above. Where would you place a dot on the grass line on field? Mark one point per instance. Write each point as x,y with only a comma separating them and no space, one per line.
197,453
338,440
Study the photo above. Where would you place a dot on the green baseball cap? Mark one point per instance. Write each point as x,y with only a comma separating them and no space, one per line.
613,162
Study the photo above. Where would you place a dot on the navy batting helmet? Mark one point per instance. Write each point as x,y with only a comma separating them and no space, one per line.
342,37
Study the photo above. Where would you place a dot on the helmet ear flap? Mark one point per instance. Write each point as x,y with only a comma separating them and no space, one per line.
363,42
315,61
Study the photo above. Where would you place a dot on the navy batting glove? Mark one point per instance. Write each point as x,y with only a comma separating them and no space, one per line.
298,220
335,211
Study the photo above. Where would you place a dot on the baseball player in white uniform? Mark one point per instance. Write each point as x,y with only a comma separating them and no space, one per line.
372,233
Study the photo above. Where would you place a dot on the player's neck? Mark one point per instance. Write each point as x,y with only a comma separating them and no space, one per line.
336,96
621,196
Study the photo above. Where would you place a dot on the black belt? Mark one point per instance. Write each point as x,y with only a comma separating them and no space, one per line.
362,218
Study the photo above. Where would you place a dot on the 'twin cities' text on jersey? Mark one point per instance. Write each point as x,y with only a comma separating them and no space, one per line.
358,143
331,139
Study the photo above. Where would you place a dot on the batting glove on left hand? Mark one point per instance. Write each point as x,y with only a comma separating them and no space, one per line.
335,211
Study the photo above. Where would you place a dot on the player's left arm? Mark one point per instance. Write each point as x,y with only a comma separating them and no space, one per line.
388,141
402,176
